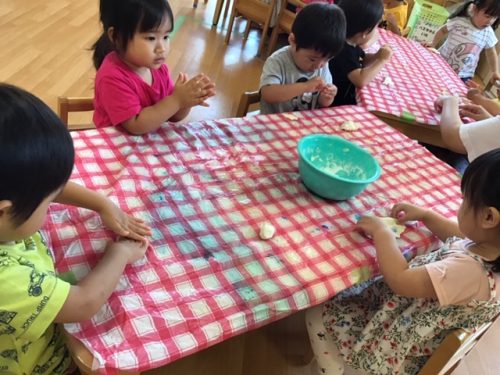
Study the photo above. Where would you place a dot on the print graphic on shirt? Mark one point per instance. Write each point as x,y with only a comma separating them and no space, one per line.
29,244
464,55
35,285
304,101
9,354
5,319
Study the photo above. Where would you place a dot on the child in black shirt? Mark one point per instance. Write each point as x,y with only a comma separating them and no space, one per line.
352,68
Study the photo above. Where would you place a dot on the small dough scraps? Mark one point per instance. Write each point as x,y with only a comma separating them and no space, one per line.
267,231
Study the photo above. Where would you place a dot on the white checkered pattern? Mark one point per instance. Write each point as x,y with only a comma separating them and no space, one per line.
418,77
208,276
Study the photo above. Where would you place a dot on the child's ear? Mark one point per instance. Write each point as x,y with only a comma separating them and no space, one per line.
491,218
111,34
292,40
5,206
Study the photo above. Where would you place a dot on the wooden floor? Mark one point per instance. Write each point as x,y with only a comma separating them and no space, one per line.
44,48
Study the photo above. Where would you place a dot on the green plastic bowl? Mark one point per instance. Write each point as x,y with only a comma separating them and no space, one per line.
335,168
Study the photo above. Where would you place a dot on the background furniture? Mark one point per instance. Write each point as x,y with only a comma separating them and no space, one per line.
247,99
285,21
66,105
257,11
195,3
403,92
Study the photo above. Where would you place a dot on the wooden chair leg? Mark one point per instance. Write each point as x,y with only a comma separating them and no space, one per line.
263,38
230,26
247,29
273,40
218,10
226,8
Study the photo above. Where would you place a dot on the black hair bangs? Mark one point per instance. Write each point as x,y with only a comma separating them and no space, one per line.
152,15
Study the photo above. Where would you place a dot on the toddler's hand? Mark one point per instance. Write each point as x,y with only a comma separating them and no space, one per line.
371,225
133,250
327,94
314,84
194,91
439,102
123,224
494,78
404,212
474,111
385,52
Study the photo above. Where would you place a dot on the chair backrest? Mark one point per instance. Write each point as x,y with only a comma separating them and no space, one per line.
451,350
287,14
247,99
66,104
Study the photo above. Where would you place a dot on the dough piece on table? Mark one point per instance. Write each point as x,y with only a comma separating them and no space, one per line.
267,231
290,116
388,81
350,126
396,228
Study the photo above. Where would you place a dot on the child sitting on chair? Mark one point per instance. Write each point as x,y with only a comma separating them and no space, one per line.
395,16
296,77
392,323
37,155
352,68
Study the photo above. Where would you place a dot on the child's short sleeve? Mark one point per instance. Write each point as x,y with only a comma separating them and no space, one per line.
481,136
273,71
491,38
450,283
31,299
119,98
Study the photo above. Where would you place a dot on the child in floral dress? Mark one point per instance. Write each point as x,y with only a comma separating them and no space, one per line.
392,324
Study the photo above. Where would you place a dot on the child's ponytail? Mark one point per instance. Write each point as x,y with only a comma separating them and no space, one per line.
101,48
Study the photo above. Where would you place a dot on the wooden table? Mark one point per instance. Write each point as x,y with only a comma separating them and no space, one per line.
206,188
404,91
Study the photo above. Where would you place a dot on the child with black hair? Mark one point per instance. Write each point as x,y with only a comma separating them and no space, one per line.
296,77
353,68
469,30
133,87
392,323
36,160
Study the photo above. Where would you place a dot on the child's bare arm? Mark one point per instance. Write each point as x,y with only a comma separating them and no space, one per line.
282,93
492,58
439,36
87,297
450,123
112,216
442,227
373,64
187,94
404,281
490,105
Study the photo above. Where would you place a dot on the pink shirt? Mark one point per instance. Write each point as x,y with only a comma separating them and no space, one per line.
459,278
121,94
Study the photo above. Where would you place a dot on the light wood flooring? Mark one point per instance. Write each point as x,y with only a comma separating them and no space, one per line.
44,48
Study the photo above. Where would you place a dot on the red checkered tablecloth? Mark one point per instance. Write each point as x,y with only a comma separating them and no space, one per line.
205,188
417,77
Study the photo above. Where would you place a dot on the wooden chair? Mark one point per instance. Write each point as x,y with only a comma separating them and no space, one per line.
66,104
451,350
257,11
83,358
218,10
195,3
247,99
284,23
